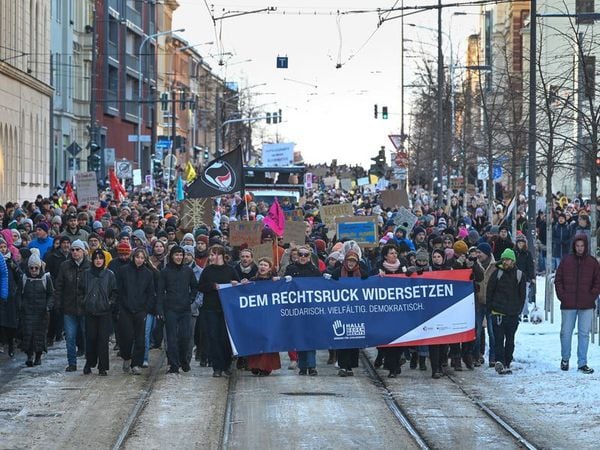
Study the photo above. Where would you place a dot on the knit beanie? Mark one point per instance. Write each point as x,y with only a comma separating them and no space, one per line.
188,249
460,248
78,243
484,247
34,259
202,238
123,248
422,256
508,254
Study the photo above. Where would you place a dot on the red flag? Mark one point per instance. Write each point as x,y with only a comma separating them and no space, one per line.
70,193
275,218
118,190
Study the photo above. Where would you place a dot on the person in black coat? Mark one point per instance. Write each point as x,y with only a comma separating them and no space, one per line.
100,294
438,354
9,305
246,268
525,264
348,357
307,359
136,298
216,272
36,302
53,259
177,287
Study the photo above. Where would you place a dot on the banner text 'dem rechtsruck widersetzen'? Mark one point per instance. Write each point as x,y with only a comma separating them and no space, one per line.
316,313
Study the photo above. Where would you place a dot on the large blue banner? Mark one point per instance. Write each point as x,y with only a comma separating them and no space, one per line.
316,313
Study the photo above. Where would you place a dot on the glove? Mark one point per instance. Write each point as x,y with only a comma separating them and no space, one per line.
288,278
410,271
419,271
327,276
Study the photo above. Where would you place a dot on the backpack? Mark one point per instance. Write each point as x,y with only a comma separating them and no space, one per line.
499,273
44,280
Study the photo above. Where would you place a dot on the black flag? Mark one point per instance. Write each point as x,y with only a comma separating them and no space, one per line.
224,175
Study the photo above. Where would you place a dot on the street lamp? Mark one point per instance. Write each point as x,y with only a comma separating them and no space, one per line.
140,84
187,47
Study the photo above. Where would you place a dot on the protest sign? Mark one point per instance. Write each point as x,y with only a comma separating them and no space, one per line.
405,218
309,313
278,155
297,215
394,198
294,232
87,188
244,232
195,212
362,229
330,212
346,184
262,251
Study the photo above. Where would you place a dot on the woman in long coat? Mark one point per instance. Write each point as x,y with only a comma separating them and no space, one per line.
10,294
36,303
265,363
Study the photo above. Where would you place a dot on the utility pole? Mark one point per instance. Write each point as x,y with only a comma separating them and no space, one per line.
440,109
173,134
217,124
53,169
531,149
93,127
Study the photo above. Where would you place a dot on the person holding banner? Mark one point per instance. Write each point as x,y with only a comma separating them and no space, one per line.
438,354
391,264
348,357
263,364
215,273
307,359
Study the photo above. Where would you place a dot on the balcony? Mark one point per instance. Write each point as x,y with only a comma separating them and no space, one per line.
115,4
113,50
132,62
134,17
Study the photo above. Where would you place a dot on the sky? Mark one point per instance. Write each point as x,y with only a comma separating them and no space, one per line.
328,111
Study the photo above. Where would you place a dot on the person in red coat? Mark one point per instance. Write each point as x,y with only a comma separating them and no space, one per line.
577,284
265,363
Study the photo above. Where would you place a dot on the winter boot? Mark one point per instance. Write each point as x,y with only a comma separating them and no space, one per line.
11,348
331,359
468,360
29,362
422,363
456,364
413,360
38,359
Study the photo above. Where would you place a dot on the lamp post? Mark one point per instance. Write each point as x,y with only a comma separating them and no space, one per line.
140,84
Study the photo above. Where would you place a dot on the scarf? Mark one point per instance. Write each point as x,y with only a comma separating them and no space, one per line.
246,270
391,267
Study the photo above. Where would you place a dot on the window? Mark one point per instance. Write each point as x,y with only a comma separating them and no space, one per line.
584,7
113,30
113,79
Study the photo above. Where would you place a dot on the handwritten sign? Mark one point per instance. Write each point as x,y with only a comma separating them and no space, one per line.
243,232
262,251
294,232
330,212
297,215
405,218
87,188
195,212
363,230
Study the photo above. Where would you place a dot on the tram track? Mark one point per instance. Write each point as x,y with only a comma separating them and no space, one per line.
417,430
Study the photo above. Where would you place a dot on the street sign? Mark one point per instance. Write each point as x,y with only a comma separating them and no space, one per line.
109,156
123,169
165,145
74,149
401,159
142,137
396,141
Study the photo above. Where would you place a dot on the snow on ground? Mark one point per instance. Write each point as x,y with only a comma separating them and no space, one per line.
556,409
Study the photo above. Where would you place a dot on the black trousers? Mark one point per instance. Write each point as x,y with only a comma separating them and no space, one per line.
97,332
132,337
438,354
219,350
392,356
347,358
178,336
55,325
505,328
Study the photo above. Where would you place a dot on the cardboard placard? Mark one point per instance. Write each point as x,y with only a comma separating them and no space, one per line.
244,232
330,182
87,188
362,181
297,215
405,218
294,232
195,212
346,184
362,229
394,198
330,212
262,251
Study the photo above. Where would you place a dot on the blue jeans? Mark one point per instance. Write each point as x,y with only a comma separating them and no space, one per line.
584,326
72,325
307,359
555,262
480,314
148,334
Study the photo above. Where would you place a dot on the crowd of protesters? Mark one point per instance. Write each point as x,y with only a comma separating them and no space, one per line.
129,270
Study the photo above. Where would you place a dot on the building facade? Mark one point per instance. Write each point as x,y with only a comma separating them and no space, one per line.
25,98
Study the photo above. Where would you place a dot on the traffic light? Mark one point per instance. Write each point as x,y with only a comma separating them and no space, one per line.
158,170
598,166
164,101
279,116
93,162
206,154
384,113
268,118
375,110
